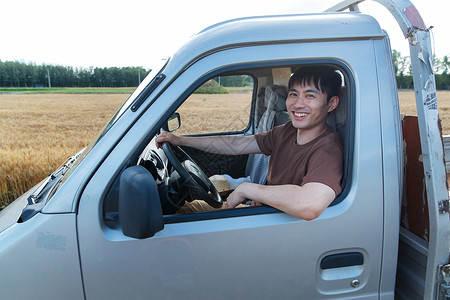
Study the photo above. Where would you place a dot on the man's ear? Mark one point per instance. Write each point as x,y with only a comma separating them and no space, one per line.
333,103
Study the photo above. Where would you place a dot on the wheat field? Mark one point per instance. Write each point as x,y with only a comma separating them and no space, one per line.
38,132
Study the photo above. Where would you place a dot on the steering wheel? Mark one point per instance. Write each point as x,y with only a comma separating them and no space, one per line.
193,178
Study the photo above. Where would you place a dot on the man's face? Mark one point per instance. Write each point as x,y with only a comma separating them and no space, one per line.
308,107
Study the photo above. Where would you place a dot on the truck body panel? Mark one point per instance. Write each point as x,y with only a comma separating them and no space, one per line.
205,241
40,259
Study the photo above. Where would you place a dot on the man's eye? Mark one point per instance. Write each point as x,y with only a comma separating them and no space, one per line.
292,94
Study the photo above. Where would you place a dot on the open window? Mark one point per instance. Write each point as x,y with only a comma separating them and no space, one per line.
221,104
237,102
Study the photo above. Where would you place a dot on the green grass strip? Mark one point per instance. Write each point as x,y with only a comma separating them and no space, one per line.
67,90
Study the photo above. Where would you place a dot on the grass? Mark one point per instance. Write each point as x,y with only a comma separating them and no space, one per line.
33,91
39,131
246,89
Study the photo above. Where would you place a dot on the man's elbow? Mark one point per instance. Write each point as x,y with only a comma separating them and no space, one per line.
309,213
312,204
312,214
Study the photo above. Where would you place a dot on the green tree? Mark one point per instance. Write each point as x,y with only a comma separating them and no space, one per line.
19,74
403,70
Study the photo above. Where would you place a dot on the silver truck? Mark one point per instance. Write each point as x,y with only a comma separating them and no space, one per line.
103,226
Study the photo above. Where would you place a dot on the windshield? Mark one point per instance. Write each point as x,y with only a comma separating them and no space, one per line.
153,73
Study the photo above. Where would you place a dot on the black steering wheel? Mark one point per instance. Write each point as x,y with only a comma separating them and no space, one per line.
193,178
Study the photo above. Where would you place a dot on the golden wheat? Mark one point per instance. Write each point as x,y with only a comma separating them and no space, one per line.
218,113
38,132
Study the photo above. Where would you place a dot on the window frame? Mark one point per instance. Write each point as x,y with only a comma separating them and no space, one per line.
349,82
185,96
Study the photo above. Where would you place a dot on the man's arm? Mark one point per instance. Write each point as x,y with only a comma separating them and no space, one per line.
227,145
305,202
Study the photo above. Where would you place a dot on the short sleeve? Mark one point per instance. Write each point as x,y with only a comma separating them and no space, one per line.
268,140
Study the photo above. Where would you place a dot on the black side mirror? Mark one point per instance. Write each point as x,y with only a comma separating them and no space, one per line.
140,213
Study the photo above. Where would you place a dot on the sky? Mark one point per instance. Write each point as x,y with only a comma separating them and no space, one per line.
111,33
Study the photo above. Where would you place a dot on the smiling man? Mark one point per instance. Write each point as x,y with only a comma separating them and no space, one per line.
306,163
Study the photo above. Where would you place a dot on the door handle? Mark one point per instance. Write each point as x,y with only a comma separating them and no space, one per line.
341,260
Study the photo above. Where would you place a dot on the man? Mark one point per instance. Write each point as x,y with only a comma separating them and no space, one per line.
305,168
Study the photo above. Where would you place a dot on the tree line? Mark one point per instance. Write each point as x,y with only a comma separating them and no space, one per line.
19,74
403,71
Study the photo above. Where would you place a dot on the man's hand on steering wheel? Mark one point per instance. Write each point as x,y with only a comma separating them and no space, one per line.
166,136
193,177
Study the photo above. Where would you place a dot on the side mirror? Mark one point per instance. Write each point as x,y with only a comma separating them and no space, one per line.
174,122
140,213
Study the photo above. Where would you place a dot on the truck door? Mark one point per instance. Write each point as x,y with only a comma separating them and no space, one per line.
253,254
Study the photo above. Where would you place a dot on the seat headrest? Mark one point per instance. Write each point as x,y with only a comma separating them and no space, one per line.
275,97
338,116
341,110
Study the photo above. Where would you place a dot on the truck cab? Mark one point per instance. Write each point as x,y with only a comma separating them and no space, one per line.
105,225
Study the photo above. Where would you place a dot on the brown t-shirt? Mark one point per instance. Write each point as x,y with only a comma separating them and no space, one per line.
320,160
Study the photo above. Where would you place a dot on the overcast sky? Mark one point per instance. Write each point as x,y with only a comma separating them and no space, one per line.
106,33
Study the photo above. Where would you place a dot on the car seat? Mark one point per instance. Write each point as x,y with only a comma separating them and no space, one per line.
337,119
274,113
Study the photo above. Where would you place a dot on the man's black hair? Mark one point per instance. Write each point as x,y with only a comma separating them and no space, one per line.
325,79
